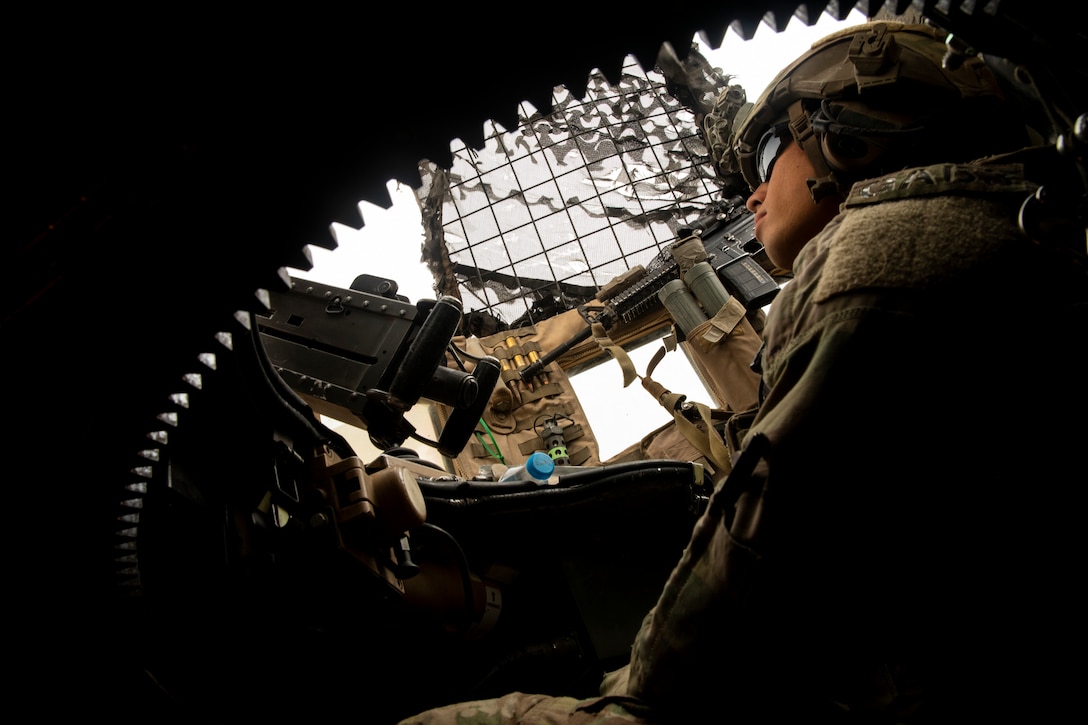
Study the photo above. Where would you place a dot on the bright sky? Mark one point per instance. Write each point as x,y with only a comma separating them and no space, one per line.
390,242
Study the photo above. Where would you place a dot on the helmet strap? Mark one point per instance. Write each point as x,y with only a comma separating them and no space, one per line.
825,182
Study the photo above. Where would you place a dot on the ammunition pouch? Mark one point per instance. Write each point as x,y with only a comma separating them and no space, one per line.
515,422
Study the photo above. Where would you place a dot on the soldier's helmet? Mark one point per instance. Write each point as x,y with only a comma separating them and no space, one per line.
874,98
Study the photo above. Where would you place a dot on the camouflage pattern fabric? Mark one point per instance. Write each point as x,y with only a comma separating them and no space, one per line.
912,327
530,710
913,488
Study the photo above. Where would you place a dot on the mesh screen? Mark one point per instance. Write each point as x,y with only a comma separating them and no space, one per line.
540,218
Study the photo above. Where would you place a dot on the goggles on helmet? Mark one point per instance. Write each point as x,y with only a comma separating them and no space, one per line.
771,145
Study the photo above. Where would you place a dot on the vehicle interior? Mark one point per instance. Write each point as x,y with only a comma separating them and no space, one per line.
242,493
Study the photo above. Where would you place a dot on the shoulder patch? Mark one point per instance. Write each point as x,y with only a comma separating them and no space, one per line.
967,179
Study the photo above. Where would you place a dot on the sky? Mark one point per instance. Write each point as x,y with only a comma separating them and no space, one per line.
389,244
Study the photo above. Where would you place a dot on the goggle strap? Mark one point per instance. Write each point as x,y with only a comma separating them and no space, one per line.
824,182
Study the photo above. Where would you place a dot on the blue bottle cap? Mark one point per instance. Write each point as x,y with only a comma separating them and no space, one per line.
540,466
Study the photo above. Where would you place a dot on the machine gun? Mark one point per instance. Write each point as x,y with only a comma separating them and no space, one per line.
368,352
470,585
729,245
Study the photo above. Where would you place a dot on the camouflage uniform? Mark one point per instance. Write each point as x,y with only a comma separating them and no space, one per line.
907,484
903,427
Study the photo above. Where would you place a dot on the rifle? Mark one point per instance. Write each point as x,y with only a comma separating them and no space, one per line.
729,244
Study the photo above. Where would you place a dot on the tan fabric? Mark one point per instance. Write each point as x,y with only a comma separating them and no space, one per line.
686,440
601,337
669,442
589,351
721,351
511,424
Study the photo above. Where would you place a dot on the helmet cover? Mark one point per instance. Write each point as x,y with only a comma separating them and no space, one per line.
864,90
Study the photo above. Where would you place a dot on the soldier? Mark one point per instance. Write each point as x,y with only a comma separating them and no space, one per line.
906,481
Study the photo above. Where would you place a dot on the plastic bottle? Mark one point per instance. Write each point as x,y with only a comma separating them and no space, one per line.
538,467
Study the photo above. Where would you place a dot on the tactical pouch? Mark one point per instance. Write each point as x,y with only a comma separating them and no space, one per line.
714,329
722,350
541,414
674,443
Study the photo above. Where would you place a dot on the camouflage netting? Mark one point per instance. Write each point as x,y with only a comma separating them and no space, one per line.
539,219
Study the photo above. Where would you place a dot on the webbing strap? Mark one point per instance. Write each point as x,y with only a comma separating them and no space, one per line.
706,439
601,338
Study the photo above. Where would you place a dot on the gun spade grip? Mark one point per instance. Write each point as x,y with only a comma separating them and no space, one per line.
462,421
426,353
